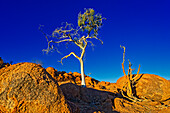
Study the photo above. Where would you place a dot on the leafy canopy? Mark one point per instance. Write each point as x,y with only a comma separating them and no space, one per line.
90,22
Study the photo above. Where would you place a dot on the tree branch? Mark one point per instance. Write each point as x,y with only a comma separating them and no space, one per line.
77,42
123,60
95,38
137,75
123,70
83,50
99,40
72,53
65,40
40,28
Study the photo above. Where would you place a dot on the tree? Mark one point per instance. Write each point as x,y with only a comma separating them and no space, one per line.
129,89
129,86
89,24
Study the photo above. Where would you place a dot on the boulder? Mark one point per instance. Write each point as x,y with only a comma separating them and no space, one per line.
27,87
76,74
149,86
153,87
90,82
51,71
122,105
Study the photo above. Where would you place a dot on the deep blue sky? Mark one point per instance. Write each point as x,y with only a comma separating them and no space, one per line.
142,26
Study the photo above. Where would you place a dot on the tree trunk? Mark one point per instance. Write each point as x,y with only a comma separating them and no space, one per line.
129,88
82,73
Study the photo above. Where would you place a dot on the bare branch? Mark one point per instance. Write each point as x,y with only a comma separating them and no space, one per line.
78,41
49,48
64,32
92,45
99,40
138,70
72,53
123,53
94,38
123,69
65,40
130,70
137,75
40,28
123,60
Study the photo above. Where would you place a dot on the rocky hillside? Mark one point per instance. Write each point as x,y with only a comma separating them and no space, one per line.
28,87
153,90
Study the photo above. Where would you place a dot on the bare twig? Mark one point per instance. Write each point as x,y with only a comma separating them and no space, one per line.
137,75
123,60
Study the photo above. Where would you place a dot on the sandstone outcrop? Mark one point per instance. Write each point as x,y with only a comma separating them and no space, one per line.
124,106
27,87
51,71
75,78
149,86
152,89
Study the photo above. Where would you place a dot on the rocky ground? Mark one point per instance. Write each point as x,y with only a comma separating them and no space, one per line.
28,87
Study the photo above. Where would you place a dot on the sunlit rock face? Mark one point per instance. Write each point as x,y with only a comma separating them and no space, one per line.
51,71
74,77
153,90
153,87
149,86
27,87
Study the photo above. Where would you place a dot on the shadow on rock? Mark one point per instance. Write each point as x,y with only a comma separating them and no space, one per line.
89,100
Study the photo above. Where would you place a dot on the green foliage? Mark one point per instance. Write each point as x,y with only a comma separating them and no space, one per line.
90,21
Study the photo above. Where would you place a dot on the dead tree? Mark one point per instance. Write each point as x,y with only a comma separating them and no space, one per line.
88,25
130,80
129,86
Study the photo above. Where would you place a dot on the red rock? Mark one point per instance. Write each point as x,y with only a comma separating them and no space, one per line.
153,87
27,87
76,74
124,106
51,71
121,82
112,87
70,73
107,83
149,86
